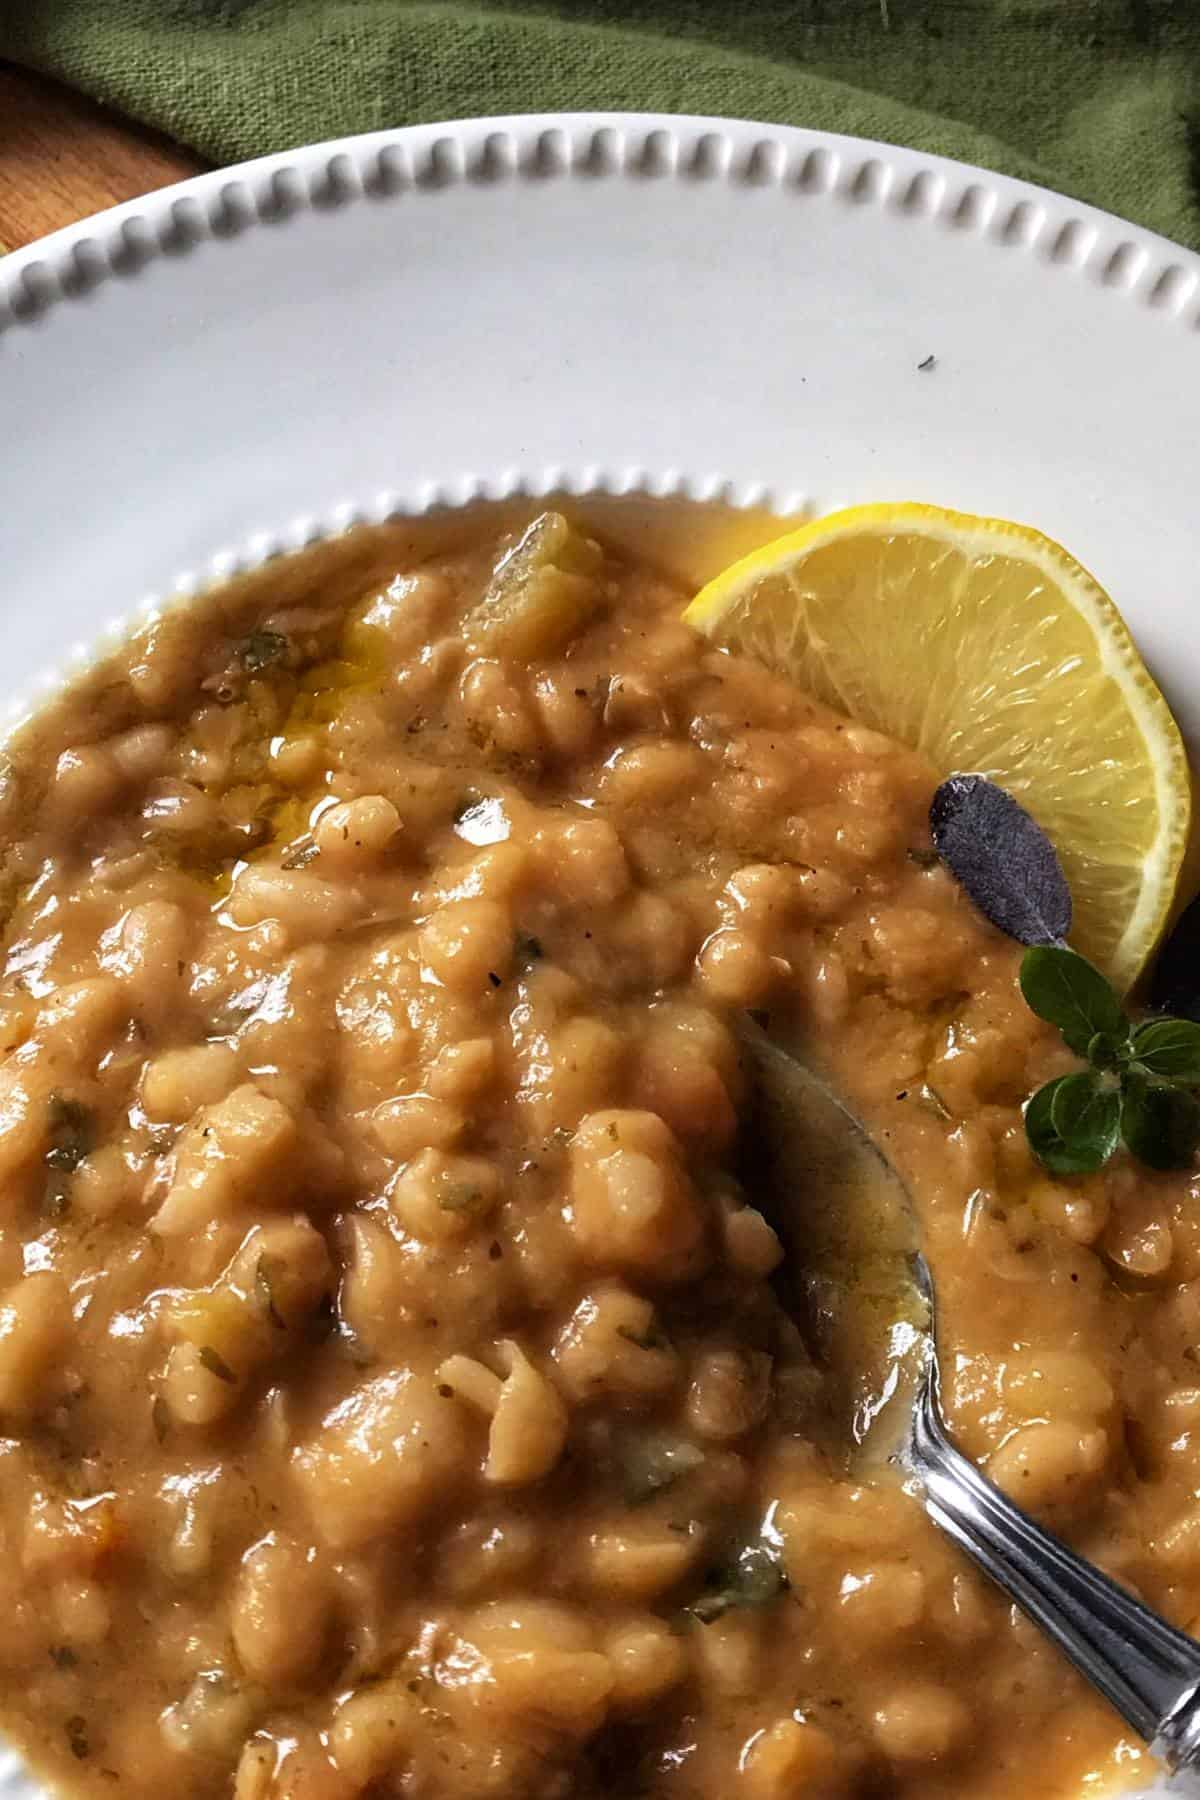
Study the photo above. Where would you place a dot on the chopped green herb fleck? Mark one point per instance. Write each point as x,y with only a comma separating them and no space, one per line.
216,1365
160,1418
930,1098
299,856
462,1197
266,1271
261,649
653,1338
650,1462
72,1133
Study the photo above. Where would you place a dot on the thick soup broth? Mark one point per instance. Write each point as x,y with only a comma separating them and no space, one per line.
395,1395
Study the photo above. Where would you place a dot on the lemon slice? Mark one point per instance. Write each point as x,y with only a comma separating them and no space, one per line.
987,647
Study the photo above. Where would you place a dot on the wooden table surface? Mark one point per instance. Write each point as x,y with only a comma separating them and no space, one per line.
62,157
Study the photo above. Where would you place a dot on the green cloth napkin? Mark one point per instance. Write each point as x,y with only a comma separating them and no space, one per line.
1100,98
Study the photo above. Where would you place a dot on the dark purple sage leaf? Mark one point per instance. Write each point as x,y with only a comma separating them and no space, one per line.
1002,858
1175,980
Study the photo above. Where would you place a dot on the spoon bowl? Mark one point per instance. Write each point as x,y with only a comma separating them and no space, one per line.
855,1279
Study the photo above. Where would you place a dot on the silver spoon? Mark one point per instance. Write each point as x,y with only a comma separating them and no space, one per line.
868,1300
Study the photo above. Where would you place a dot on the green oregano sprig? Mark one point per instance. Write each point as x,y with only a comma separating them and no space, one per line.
1138,1087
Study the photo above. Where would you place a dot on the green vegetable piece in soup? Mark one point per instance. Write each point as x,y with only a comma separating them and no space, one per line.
261,649
72,1132
541,591
752,1579
650,1462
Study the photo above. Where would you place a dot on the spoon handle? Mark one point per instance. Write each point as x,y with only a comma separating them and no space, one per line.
1146,1668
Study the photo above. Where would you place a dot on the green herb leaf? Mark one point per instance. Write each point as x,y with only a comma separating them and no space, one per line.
463,1197
1044,1141
1062,987
1074,1124
1168,1049
753,1579
1160,1124
72,1132
261,649
1107,1052
1082,1105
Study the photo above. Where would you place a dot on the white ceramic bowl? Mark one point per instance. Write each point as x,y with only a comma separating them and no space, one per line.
595,303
